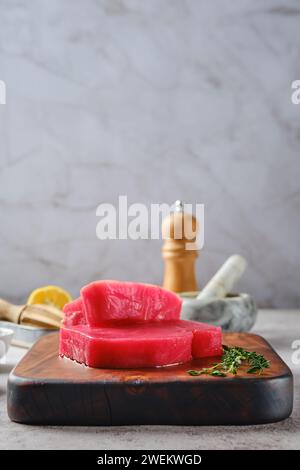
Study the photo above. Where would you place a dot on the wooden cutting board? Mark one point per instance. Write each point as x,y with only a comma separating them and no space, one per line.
46,389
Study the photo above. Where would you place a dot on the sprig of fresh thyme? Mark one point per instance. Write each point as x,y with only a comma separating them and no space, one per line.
232,359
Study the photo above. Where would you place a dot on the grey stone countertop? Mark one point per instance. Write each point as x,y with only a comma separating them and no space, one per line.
279,327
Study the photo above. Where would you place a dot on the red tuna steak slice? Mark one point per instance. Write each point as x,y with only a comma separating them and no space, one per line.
207,339
107,301
73,313
150,344
143,345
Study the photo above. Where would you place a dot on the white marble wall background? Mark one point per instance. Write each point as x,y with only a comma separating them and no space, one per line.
159,100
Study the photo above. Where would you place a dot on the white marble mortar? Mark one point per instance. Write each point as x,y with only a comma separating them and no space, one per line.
236,312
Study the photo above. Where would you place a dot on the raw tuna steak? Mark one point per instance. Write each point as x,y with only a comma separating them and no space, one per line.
73,313
148,344
207,339
131,302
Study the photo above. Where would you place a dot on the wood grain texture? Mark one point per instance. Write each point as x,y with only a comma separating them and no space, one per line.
46,389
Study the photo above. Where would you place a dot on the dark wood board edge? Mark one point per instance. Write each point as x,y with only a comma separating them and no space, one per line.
172,404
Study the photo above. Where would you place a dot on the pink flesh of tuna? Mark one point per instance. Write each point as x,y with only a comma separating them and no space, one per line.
109,301
73,313
149,344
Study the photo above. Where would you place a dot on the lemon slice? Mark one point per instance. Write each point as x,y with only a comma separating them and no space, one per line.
49,295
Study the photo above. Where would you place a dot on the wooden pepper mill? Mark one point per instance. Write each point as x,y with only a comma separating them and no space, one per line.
178,229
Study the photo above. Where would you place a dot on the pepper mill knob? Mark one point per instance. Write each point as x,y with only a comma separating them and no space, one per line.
178,230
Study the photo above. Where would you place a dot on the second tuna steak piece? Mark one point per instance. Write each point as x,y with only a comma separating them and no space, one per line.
73,313
150,344
128,302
